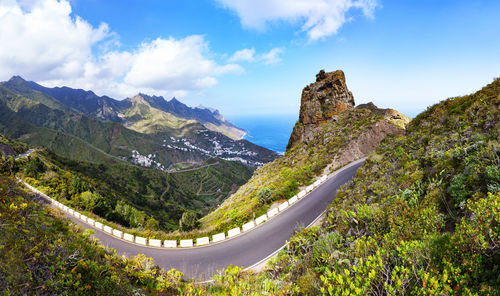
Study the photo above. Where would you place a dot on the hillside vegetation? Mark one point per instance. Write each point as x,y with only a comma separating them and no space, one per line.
132,196
421,217
41,253
9,148
284,177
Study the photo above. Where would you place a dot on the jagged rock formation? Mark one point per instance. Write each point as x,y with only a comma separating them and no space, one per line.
321,101
108,109
330,133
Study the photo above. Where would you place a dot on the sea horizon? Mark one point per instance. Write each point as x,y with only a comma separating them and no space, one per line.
269,131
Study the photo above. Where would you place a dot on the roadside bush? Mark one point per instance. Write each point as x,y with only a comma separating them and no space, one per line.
188,221
33,167
265,195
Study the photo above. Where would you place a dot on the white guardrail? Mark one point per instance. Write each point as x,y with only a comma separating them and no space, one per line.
186,243
233,232
183,243
218,237
155,242
202,241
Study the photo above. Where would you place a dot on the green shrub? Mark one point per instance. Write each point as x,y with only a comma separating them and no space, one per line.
188,221
265,195
492,174
34,167
458,189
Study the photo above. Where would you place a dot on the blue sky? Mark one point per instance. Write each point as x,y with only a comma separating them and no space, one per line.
255,56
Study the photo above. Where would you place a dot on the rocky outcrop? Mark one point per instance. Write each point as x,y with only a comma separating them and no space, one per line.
321,101
6,150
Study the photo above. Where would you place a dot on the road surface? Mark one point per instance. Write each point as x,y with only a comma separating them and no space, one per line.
25,154
245,250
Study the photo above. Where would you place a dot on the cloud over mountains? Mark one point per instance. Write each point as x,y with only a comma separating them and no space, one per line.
42,41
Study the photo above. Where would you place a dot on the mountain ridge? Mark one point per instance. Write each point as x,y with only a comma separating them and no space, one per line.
109,109
173,140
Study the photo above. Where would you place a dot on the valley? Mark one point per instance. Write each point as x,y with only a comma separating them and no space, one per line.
92,128
89,151
249,148
431,174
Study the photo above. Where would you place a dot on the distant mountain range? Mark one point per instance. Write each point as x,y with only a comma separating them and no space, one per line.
147,130
134,111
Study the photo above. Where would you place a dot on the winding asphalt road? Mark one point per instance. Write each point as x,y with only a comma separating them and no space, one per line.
246,249
25,154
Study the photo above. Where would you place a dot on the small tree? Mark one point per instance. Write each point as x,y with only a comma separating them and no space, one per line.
6,164
34,167
152,224
76,184
265,195
188,221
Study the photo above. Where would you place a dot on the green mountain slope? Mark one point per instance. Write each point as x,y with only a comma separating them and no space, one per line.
150,133
77,136
108,109
112,138
323,146
132,196
15,126
41,253
144,118
17,85
421,217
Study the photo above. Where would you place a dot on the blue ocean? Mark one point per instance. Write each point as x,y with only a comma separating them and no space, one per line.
270,131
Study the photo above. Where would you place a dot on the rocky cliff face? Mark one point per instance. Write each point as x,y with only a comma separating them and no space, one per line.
330,133
321,101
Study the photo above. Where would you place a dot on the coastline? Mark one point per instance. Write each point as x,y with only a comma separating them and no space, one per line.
269,131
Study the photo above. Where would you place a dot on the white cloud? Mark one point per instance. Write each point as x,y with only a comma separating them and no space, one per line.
41,41
175,64
319,18
272,57
249,55
244,55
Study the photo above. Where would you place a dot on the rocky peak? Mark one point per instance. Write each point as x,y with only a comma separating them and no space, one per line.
175,101
139,99
16,79
212,110
321,101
